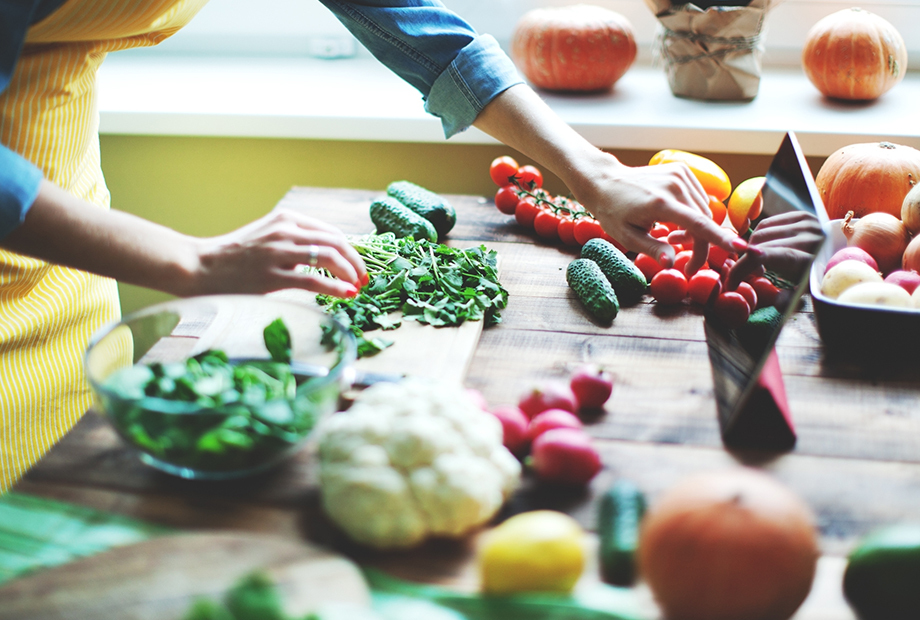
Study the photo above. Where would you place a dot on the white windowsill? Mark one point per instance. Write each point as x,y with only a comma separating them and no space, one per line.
358,99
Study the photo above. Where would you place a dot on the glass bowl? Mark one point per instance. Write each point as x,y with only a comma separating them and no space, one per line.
160,379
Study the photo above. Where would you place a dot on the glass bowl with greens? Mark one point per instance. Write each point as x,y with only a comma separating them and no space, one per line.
219,386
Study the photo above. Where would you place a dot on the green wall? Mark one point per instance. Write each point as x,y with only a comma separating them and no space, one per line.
209,186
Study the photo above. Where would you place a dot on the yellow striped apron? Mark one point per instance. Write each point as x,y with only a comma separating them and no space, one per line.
48,313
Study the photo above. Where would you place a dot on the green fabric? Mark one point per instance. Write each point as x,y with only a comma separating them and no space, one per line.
38,533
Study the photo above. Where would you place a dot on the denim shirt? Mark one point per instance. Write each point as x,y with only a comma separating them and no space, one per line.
457,71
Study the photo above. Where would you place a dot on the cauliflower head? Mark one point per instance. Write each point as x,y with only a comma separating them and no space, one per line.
410,460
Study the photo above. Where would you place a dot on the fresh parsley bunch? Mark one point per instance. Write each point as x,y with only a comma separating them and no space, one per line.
420,280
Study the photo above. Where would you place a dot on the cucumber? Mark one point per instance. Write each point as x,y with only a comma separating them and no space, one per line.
759,329
625,278
592,288
426,203
882,573
390,215
620,511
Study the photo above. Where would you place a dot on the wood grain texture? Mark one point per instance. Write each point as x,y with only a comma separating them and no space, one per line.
857,461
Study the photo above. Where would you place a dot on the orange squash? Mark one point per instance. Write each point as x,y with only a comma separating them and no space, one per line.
727,545
854,54
580,48
868,177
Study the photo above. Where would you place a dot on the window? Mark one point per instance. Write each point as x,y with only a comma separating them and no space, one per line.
298,27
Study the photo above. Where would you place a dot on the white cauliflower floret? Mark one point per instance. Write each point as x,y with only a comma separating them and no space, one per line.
410,460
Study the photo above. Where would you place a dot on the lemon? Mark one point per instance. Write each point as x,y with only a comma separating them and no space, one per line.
745,203
537,551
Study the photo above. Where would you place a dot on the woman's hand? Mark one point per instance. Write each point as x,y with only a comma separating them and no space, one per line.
785,243
627,201
267,255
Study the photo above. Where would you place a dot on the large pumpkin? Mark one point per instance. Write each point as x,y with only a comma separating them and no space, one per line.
728,545
573,48
868,177
854,54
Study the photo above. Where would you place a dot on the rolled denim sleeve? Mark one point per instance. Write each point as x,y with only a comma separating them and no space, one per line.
457,70
19,184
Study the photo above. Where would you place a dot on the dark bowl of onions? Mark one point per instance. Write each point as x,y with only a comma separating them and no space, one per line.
870,310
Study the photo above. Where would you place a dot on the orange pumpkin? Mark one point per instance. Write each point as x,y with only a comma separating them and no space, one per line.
868,177
854,54
727,545
573,48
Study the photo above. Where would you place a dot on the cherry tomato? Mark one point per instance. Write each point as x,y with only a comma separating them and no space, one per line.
587,228
717,257
668,286
659,230
502,170
566,230
766,291
647,265
750,296
525,212
546,224
682,258
731,309
506,199
702,284
672,240
530,177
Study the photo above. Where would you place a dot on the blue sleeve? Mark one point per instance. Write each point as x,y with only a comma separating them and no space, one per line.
19,184
457,70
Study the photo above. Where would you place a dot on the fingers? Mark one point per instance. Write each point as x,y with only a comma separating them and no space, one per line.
282,279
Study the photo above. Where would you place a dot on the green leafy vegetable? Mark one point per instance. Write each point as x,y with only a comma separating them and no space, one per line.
212,414
278,341
418,280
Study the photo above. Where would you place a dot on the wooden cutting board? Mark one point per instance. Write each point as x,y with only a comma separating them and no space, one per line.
160,578
440,353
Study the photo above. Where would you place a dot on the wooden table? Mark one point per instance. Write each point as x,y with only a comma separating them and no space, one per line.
857,461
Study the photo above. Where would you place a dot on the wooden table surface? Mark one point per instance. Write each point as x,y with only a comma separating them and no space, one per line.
857,461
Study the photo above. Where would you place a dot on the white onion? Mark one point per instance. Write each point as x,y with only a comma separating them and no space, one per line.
882,235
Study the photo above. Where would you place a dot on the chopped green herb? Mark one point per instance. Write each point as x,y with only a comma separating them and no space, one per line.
421,281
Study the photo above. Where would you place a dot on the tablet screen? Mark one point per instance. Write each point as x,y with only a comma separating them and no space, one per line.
738,356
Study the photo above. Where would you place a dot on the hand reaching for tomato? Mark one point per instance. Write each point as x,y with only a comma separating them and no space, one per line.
784,244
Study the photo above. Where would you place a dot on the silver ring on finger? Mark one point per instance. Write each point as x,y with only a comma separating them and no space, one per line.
312,255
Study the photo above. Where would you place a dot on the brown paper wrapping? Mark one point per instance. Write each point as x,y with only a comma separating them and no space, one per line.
712,53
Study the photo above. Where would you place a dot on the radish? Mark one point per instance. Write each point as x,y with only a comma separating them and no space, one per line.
552,395
550,419
565,455
592,386
514,428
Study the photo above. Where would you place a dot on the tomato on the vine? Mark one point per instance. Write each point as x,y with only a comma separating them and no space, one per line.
525,211
587,228
566,230
506,199
731,309
530,177
766,291
546,224
702,284
682,258
668,286
502,170
647,265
